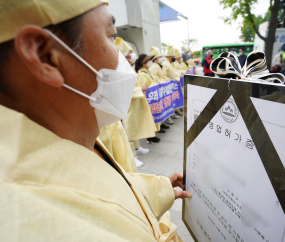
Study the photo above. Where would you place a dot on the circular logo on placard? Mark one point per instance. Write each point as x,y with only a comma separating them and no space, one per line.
230,111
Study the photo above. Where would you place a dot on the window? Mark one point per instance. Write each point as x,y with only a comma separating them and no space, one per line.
224,50
248,49
236,49
216,51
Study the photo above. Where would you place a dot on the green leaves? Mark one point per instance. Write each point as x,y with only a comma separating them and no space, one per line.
247,31
242,8
239,8
250,22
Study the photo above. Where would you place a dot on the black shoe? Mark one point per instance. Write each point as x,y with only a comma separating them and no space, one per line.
179,113
155,138
161,131
152,141
164,126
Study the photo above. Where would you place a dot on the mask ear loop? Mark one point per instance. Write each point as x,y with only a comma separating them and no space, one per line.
78,57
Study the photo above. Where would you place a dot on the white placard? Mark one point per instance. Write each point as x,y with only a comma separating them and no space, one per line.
232,197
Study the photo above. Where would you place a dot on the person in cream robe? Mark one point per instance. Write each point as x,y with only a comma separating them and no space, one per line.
54,185
177,63
168,68
157,72
184,62
148,81
156,69
190,61
139,122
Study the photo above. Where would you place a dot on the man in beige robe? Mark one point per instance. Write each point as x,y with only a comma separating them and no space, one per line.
139,123
54,185
167,66
177,63
190,61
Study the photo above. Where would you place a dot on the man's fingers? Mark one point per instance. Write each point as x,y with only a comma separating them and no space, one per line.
180,176
176,177
180,184
182,194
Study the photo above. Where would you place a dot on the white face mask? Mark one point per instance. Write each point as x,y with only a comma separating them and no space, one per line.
115,88
133,58
160,60
149,63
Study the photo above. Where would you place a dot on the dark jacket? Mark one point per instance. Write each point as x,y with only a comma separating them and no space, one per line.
242,59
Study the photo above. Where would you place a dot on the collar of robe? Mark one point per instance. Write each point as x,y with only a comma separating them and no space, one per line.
255,69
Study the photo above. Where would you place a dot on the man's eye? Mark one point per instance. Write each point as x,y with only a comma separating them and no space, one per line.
113,20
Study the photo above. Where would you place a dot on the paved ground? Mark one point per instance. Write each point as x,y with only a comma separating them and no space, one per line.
165,159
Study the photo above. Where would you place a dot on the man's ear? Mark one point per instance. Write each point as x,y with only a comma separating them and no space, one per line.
35,48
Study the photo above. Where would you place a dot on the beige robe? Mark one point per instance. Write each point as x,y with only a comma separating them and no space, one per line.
53,189
179,68
170,70
189,67
157,72
117,143
191,64
139,123
184,66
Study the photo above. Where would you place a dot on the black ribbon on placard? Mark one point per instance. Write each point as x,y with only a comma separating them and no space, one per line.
255,69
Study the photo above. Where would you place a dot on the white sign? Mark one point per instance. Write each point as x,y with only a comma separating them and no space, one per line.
232,197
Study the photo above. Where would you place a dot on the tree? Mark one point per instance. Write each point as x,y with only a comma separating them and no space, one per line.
247,32
197,53
164,47
192,43
243,8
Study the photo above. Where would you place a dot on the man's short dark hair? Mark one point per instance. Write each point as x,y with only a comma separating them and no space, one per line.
70,30
242,49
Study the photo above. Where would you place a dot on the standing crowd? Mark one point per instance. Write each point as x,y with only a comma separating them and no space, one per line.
152,69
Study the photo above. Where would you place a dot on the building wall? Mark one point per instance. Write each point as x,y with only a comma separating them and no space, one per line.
119,9
138,22
151,24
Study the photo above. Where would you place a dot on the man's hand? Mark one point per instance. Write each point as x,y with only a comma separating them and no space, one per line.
144,88
177,181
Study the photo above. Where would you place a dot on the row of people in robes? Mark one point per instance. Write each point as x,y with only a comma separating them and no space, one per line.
152,69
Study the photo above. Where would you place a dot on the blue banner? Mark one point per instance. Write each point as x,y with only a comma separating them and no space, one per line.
190,72
164,98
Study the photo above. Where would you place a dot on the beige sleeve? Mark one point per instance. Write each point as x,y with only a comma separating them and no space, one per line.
138,93
143,80
157,191
170,72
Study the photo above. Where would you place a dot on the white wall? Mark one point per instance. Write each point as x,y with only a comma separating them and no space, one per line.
119,9
138,22
151,24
